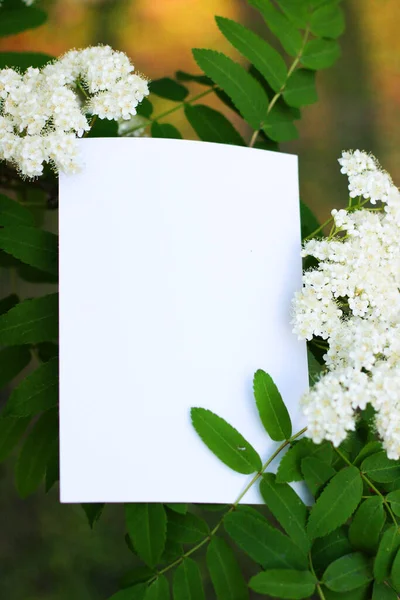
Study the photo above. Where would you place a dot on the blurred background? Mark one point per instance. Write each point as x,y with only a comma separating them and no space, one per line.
47,551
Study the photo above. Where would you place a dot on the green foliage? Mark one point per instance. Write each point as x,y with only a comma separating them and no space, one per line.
320,54
179,508
31,321
380,468
328,548
272,410
14,20
158,590
381,591
394,499
279,24
11,430
387,550
212,126
164,130
32,246
12,213
186,529
225,573
316,473
169,88
93,512
147,528
284,583
309,222
12,361
367,525
187,582
328,21
225,441
290,466
37,393
337,502
348,573
300,89
23,60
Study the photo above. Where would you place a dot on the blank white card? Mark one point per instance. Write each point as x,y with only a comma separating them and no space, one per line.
178,264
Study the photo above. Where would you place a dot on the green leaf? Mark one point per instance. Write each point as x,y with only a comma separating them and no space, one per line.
138,575
284,583
11,431
271,408
320,54
12,213
169,88
387,550
279,123
316,473
8,302
309,222
367,525
246,93
36,393
23,60
172,551
367,450
145,108
362,593
32,275
179,508
381,591
380,468
300,90
267,546
36,451
327,549
296,11
225,441
147,527
165,130
225,572
30,322
104,128
394,499
328,21
201,79
212,126
287,508
93,512
290,466
265,58
337,502
136,592
33,246
314,368
188,584
159,590
15,20
281,27
348,573
396,571
12,361
186,529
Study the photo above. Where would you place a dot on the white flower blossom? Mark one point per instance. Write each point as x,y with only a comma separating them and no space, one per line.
43,111
352,301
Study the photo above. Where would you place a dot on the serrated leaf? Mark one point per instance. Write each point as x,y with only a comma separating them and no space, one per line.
381,591
179,508
328,21
368,450
32,246
159,590
172,551
362,593
283,583
31,321
394,499
337,502
13,213
387,550
225,441
320,54
93,512
281,27
11,431
267,546
395,572
300,89
212,126
287,508
8,302
380,468
187,583
314,368
278,125
147,526
201,79
327,549
138,575
264,58
169,88
272,410
296,11
12,361
137,592
367,524
246,93
23,60
165,130
348,573
145,108
316,473
35,453
32,275
225,573
186,529
15,20
290,466
36,393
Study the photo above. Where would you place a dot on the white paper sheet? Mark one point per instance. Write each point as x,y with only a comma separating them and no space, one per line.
178,262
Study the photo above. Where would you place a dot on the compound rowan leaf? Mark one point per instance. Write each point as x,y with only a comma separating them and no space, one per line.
187,583
320,54
348,573
212,126
147,527
327,549
316,473
290,466
271,408
225,573
158,590
281,27
186,529
300,89
380,468
367,525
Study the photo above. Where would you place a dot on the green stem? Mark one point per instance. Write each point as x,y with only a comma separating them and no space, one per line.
172,110
232,507
282,89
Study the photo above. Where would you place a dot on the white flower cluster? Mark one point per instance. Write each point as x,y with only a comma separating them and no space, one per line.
351,302
42,111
